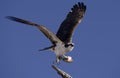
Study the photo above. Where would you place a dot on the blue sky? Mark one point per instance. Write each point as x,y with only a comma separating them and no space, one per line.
97,39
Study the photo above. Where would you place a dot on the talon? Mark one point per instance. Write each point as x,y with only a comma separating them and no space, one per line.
56,62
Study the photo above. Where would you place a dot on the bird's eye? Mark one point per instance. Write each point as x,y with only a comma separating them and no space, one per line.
72,45
66,45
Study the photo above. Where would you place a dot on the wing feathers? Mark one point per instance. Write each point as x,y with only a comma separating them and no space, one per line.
53,38
67,27
73,18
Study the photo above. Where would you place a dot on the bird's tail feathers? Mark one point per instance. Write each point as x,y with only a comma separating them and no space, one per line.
47,48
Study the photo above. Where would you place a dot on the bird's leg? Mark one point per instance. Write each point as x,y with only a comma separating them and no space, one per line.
57,61
64,57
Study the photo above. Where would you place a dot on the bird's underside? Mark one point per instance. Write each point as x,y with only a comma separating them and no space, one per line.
62,41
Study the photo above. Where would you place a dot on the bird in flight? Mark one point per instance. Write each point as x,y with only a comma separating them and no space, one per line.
62,40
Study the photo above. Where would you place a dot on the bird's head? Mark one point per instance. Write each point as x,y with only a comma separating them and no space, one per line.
67,59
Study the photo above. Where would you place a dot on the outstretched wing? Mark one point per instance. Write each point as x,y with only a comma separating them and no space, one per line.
52,37
73,18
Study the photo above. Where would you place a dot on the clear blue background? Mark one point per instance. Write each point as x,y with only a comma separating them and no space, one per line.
97,39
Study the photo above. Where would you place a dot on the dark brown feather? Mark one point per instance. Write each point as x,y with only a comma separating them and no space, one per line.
52,37
73,18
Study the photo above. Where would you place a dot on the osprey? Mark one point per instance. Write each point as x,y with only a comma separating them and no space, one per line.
62,41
